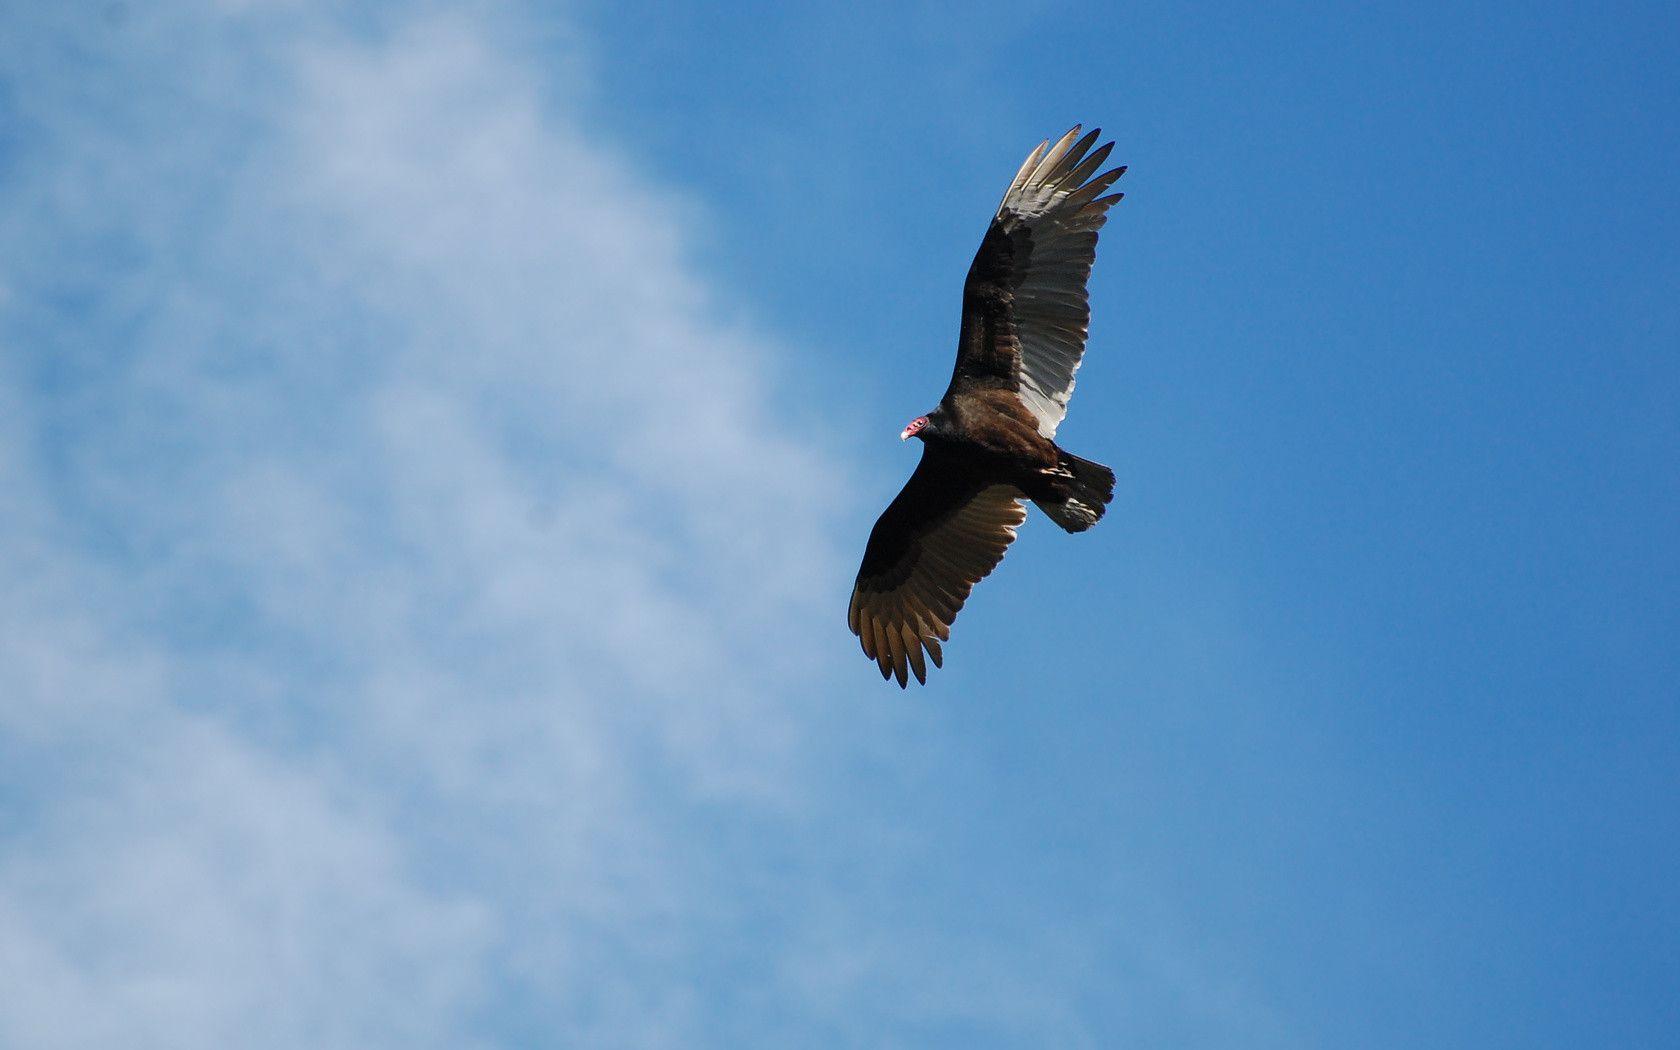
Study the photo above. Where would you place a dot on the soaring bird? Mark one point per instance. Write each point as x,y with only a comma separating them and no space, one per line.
990,443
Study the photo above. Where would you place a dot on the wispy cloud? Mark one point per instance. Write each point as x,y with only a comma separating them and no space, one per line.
397,551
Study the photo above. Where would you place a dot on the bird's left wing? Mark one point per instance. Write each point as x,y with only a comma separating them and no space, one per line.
942,534
1025,310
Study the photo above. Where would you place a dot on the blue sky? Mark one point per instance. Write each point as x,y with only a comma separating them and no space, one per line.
436,442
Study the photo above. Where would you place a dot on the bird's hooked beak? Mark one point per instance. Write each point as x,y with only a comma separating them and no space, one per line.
915,424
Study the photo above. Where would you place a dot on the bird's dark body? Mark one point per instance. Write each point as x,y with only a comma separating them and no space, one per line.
987,434
990,443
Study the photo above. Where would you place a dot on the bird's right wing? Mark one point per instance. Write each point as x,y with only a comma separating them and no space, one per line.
945,532
1025,309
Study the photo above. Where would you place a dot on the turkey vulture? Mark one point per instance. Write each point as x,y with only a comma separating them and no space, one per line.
988,445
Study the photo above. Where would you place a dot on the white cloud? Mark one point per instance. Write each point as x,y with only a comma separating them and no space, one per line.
192,890
402,550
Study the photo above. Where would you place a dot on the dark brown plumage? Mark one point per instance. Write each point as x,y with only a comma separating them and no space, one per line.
989,445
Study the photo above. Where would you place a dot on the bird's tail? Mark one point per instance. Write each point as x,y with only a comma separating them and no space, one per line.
1092,488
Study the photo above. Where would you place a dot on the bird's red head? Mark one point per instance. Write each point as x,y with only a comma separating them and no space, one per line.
915,427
